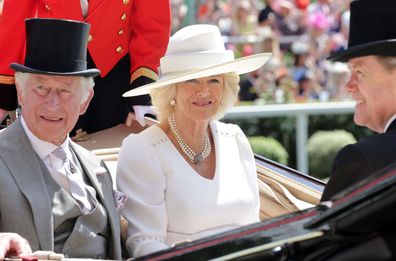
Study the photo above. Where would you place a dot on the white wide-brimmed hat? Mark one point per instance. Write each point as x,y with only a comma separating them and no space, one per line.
198,51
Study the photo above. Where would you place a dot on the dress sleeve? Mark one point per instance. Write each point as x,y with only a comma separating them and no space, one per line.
141,178
249,165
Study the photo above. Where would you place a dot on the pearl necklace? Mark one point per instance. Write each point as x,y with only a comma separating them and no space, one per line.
194,157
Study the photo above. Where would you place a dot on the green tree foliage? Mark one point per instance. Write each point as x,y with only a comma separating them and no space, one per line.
323,147
269,148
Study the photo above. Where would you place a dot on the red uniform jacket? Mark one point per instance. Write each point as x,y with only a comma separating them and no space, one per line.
138,27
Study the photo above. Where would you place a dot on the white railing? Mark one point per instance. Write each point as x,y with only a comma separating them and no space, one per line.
299,110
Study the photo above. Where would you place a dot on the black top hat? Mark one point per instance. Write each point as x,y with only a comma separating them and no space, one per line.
371,30
56,47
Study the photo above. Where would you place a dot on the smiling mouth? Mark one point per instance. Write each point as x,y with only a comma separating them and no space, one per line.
203,103
51,118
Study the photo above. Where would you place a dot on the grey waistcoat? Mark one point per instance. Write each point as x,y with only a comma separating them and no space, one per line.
76,234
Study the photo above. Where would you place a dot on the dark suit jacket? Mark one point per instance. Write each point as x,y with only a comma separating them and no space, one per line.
357,161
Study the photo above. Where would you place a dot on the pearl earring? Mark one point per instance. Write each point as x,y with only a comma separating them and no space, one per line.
172,102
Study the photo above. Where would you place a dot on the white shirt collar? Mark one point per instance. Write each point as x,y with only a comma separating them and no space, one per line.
43,148
389,122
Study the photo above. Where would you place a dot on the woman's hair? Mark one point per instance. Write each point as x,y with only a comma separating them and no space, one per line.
161,97
86,82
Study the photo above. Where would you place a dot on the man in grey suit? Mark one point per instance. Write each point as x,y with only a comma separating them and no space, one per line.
54,194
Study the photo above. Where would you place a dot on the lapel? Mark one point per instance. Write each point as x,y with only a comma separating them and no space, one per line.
103,186
93,5
392,126
27,169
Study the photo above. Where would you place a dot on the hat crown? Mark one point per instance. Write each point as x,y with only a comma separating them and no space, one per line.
371,20
56,46
190,39
195,47
370,30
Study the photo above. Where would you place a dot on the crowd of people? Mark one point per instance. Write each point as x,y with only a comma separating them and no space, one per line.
300,34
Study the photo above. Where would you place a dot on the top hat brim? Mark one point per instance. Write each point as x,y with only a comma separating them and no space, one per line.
239,66
25,69
381,48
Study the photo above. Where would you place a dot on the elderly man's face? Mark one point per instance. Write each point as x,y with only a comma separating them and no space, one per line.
51,105
374,90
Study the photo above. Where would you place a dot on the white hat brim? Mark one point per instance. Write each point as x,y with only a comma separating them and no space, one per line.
239,66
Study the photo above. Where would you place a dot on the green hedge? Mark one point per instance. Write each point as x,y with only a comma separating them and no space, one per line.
322,149
270,148
283,129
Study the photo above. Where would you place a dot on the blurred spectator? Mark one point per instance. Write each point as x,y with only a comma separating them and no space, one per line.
339,74
322,6
244,19
247,87
288,21
179,12
307,87
300,51
266,16
285,87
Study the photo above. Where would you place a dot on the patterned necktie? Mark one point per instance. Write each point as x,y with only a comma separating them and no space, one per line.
75,180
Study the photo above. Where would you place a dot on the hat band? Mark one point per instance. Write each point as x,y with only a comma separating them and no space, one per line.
192,61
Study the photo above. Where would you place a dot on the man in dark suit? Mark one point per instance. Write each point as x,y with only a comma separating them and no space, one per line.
371,57
54,195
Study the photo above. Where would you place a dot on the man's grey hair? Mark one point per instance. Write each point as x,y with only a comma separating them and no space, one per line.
161,97
87,83
389,62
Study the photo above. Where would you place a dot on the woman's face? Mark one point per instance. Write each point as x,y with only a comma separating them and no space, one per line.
199,99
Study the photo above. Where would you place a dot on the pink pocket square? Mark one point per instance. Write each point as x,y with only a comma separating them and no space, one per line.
119,199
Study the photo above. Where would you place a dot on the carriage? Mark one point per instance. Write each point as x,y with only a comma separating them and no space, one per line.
294,224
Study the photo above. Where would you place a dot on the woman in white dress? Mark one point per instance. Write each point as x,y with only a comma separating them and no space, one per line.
190,176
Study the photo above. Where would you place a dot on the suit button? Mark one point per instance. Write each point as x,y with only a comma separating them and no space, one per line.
119,49
125,2
121,32
47,7
123,17
90,38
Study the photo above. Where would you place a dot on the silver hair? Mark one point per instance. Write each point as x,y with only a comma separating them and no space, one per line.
86,82
161,97
389,62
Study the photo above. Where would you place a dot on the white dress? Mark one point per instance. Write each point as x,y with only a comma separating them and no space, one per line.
169,202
